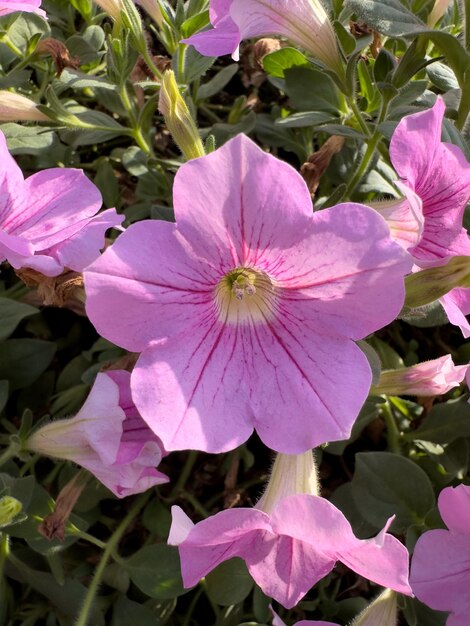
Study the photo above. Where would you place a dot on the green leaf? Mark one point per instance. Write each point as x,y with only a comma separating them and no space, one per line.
155,570
343,131
386,484
217,83
277,62
126,612
11,314
24,360
87,46
305,118
4,392
311,90
194,23
28,139
229,583
446,422
389,17
442,76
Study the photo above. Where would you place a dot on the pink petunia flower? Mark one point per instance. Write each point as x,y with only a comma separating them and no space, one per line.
50,221
430,378
288,543
277,621
246,309
28,6
440,567
107,437
304,22
435,176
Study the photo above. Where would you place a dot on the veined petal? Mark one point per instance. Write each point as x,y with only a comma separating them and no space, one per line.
404,217
191,389
156,281
234,532
50,206
223,39
11,180
258,203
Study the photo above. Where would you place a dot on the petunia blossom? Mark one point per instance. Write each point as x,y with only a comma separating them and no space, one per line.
304,22
107,437
435,177
28,6
429,378
288,546
440,567
50,221
247,308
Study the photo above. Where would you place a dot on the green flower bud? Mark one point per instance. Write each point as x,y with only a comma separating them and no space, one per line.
9,509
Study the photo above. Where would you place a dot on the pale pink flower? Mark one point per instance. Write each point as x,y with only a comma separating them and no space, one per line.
430,378
440,567
288,542
435,177
14,107
50,221
28,6
107,437
304,22
247,308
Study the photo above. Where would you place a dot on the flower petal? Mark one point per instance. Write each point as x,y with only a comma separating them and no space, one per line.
156,282
454,507
456,304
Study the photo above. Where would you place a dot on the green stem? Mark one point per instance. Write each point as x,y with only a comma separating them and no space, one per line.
393,434
358,115
184,475
9,453
464,105
4,552
466,6
136,131
8,42
151,65
111,546
181,59
364,164
192,606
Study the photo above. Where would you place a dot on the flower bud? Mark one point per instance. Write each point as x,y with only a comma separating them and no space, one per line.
438,10
178,118
291,474
111,7
382,611
430,378
17,108
9,509
152,7
432,283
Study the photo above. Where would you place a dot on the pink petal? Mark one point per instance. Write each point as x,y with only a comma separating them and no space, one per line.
454,507
11,6
181,526
154,279
440,571
191,390
456,304
258,203
234,532
224,39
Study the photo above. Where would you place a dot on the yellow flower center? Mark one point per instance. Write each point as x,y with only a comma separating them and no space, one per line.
245,294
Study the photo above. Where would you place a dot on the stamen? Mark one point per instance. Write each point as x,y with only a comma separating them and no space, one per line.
245,294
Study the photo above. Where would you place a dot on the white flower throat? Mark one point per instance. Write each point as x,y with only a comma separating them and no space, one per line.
245,294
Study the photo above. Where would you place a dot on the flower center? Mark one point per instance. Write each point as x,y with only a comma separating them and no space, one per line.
245,294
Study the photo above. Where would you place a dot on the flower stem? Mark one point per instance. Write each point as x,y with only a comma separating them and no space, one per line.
393,434
111,545
9,453
466,7
184,475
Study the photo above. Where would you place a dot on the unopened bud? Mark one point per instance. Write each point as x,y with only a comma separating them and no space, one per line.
178,118
9,509
432,283
152,7
111,7
17,108
438,10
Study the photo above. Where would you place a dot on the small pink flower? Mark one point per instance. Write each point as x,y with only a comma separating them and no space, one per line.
304,22
440,567
430,378
29,6
289,541
247,308
435,177
50,221
289,550
107,437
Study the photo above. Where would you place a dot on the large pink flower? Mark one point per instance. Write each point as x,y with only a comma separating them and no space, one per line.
304,22
50,221
289,550
246,309
440,568
107,437
30,6
435,177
